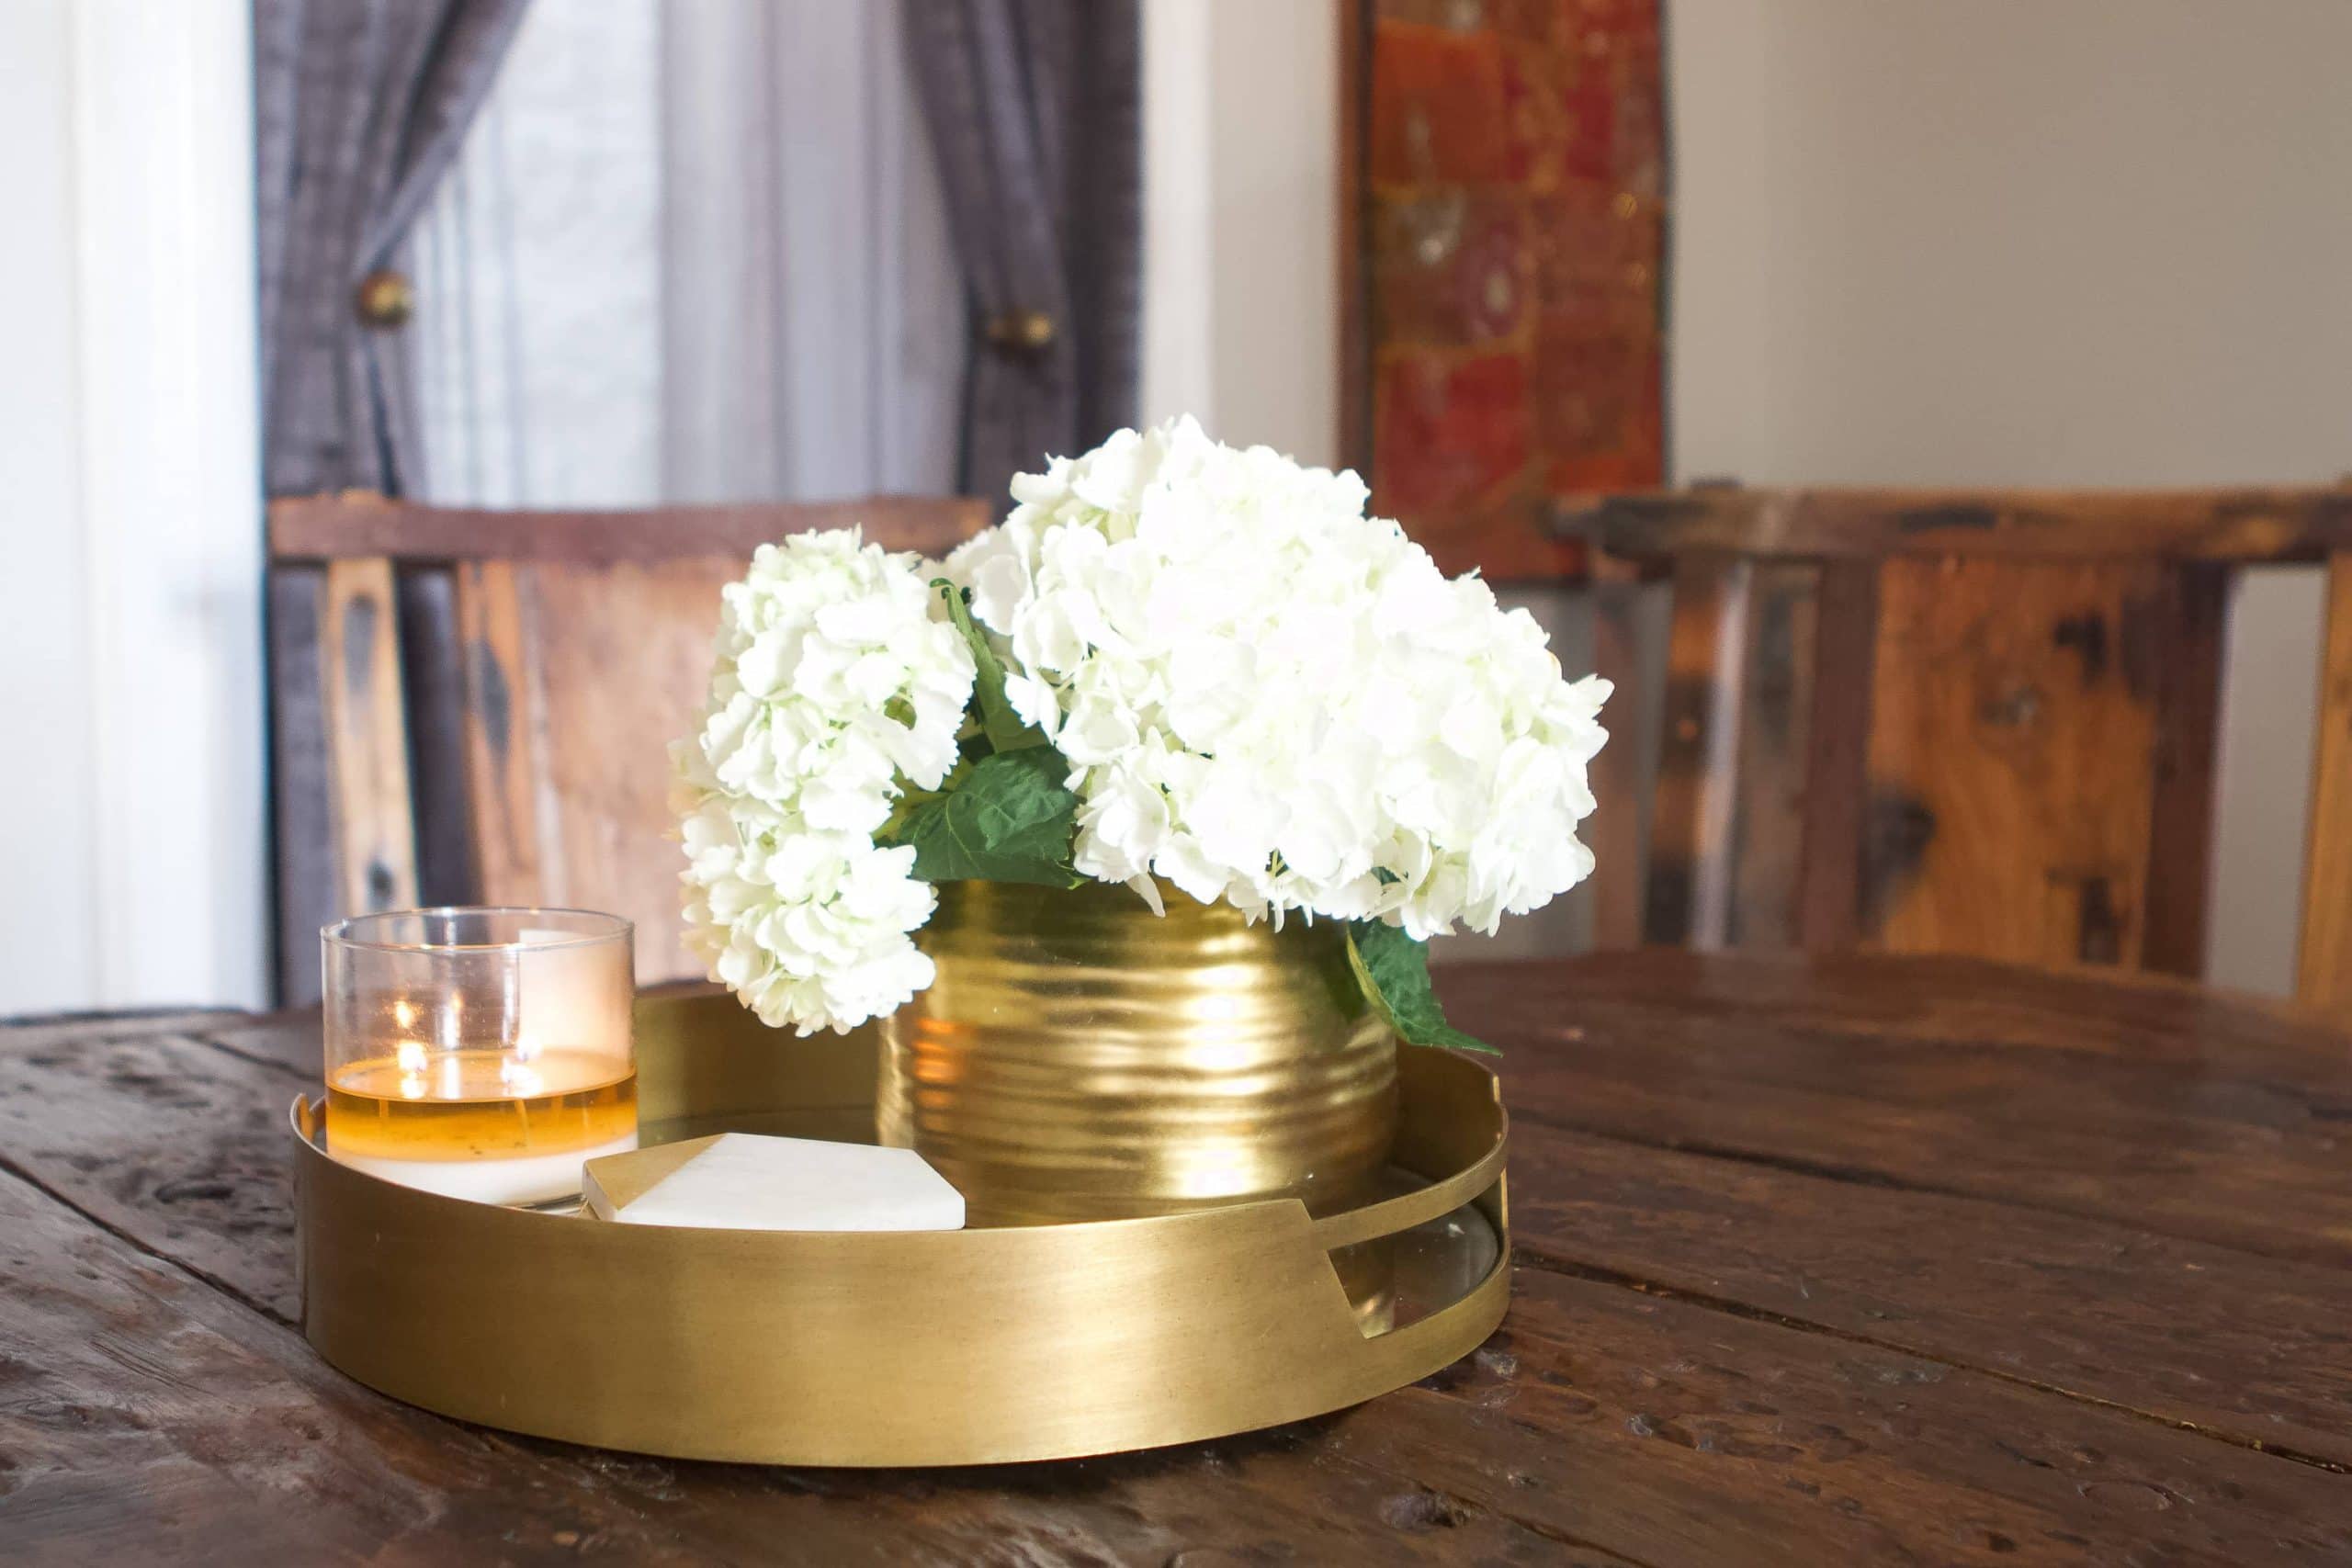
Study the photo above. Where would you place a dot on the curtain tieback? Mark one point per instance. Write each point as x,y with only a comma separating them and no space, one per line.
1023,331
385,299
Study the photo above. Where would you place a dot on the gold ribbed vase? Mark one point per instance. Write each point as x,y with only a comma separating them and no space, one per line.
1078,1057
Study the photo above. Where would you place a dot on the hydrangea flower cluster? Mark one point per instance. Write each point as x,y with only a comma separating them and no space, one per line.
1266,697
837,681
1175,662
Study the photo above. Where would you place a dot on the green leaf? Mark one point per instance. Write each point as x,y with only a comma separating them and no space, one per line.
1004,729
1394,969
1007,819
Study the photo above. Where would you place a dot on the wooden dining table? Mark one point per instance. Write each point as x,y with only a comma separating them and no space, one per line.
1816,1261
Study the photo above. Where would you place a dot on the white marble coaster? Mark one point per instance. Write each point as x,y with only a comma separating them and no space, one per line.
519,1180
744,1181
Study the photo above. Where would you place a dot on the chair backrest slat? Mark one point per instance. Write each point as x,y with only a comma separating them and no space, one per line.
2323,967
1615,836
2190,627
582,650
2011,761
366,737
2235,526
1690,816
503,724
1976,721
360,523
1844,655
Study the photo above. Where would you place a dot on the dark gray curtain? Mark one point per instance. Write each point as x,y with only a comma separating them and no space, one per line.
359,107
1036,112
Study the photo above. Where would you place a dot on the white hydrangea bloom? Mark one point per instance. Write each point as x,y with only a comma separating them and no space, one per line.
835,676
1269,698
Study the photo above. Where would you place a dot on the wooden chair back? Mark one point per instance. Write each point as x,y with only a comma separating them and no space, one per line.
1978,722
481,703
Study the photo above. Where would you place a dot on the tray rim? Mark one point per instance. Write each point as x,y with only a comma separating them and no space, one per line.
1264,1336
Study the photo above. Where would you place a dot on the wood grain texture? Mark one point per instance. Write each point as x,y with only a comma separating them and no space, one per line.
2010,746
2140,1102
583,644
373,826
301,809
1621,781
1686,1435
433,671
335,527
2188,627
503,718
25,1032
613,708
122,1118
145,1418
570,729
170,1140
1689,844
1846,1259
1845,621
2324,963
1769,780
2011,750
2250,524
2248,1349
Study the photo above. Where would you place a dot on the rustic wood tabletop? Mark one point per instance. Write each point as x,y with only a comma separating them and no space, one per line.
1830,1261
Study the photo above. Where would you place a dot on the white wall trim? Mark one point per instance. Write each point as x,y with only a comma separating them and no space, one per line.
1178,213
1241,220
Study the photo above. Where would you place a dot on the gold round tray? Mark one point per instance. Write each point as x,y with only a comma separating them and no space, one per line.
971,1347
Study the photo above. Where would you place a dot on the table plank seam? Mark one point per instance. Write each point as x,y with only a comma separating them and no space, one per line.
1862,1176
219,1286
257,1058
157,1018
1529,1256
1452,1507
1535,1255
1421,1506
223,1286
1446,1506
1471,1506
114,1028
551,1472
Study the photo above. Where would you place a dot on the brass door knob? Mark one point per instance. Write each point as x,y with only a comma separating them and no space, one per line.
1024,332
385,299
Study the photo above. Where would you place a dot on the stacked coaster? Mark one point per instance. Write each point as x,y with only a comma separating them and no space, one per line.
746,1183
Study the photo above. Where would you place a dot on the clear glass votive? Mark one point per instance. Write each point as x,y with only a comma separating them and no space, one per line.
483,1054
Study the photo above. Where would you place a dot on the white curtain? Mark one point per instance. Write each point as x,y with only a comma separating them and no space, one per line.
692,251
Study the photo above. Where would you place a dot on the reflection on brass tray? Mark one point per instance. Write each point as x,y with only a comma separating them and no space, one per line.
903,1349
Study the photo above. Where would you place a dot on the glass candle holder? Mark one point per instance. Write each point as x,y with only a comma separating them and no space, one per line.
483,1054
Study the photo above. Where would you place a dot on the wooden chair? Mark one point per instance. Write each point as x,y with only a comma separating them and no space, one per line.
1980,722
476,706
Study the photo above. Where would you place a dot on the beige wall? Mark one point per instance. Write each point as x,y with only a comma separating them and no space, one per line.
2018,241
1241,211
2054,241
